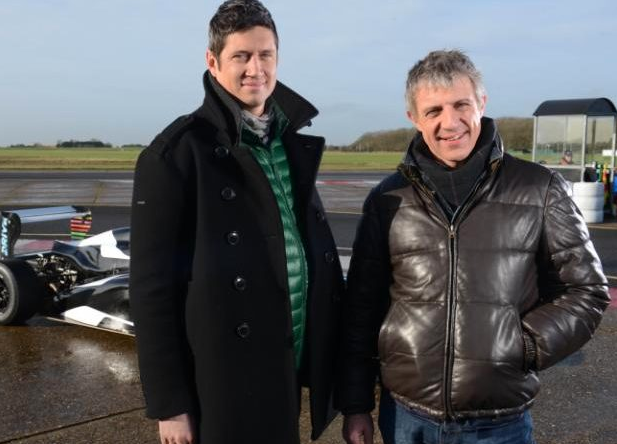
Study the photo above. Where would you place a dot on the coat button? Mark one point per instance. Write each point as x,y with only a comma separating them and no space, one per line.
329,256
233,238
240,283
221,152
228,193
321,216
243,330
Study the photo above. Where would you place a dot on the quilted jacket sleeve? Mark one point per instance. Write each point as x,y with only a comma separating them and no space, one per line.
573,288
363,307
158,286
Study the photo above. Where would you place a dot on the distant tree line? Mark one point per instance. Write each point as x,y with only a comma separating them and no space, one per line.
92,143
516,132
23,145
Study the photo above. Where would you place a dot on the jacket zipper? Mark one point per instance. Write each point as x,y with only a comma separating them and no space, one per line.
295,234
449,358
452,228
297,238
450,324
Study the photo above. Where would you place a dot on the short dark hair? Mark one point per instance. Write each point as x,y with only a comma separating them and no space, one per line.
235,16
440,68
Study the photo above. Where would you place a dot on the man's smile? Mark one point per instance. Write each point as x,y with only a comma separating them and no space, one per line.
452,138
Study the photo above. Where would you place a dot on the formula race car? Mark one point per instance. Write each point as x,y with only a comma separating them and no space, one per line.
83,280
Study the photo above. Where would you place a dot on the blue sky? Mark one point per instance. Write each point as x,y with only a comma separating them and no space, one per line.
121,70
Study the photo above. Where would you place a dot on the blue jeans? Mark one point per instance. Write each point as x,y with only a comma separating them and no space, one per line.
400,425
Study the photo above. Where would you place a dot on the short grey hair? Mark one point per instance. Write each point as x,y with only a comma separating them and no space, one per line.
441,68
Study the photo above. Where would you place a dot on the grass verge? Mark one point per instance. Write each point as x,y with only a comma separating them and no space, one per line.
124,159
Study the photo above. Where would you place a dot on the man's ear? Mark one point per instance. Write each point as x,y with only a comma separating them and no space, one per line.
212,62
483,104
411,118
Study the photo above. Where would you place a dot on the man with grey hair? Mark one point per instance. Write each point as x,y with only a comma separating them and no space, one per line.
235,278
471,272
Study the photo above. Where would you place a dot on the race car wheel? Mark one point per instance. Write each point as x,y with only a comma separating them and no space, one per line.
19,292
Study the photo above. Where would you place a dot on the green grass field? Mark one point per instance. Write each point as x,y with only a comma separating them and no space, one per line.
51,158
349,161
124,159
68,158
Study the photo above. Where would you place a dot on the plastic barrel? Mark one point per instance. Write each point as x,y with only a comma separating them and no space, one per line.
589,198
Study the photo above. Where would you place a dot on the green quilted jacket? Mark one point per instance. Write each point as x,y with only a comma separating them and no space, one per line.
273,161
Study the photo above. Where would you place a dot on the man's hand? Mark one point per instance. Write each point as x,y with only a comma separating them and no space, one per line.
358,429
176,430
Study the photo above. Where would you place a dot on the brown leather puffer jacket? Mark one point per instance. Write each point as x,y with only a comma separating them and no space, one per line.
462,314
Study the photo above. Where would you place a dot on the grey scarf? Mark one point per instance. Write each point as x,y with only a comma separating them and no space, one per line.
259,125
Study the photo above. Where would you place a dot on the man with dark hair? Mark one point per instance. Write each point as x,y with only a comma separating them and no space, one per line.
471,271
566,159
235,277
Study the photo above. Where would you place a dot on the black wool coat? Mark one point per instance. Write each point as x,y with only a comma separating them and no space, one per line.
208,283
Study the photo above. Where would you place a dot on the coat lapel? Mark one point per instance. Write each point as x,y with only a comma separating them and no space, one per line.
303,154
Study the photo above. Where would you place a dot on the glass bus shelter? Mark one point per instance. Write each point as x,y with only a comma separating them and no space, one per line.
576,137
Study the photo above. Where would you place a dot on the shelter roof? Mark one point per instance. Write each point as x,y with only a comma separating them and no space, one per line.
590,107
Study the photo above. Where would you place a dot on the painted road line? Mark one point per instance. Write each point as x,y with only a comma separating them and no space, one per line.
355,213
612,226
347,182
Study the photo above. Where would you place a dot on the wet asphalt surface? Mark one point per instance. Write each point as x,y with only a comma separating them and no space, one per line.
69,384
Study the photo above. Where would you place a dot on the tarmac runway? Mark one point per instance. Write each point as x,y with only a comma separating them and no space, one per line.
70,384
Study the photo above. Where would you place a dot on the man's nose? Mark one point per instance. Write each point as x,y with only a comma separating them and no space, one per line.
253,66
449,117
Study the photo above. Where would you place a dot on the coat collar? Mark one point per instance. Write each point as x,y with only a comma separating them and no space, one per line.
223,110
489,136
